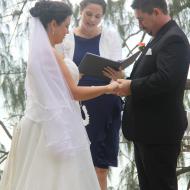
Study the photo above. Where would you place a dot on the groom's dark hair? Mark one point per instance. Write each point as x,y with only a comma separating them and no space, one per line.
147,6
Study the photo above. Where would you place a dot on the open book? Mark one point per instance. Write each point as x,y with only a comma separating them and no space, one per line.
93,65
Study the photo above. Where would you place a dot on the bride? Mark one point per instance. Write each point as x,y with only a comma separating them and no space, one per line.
50,147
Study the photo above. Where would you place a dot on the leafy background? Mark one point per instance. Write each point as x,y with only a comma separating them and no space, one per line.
14,19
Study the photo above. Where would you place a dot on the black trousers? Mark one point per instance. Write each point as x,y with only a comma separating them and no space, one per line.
156,166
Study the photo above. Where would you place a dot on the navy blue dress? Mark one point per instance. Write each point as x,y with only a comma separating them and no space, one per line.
104,111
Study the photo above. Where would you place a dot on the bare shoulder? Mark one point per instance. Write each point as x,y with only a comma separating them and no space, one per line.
58,56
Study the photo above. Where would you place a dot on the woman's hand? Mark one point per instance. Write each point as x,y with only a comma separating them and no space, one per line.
81,75
113,74
112,87
124,87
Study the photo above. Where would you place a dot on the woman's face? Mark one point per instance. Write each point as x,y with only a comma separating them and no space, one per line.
91,16
60,30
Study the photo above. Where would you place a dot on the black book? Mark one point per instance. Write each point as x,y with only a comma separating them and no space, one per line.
93,65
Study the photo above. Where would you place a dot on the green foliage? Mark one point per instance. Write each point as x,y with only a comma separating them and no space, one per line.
3,156
13,64
177,6
13,56
180,11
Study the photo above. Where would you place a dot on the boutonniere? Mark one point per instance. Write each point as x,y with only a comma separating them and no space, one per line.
141,45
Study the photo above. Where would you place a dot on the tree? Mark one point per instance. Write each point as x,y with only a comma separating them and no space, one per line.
13,55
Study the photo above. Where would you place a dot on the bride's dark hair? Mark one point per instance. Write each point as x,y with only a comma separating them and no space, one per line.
47,11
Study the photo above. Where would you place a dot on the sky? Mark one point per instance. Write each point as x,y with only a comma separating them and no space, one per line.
4,138
78,1
75,1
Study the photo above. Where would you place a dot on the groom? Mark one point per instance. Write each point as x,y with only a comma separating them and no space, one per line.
154,117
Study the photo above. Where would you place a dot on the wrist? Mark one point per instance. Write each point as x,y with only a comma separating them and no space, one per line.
107,89
123,75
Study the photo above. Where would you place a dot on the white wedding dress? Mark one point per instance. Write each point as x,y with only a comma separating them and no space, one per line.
30,166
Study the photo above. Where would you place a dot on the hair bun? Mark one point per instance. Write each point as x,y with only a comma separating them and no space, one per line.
35,12
39,8
47,11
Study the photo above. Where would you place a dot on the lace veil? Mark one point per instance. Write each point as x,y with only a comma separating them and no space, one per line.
49,102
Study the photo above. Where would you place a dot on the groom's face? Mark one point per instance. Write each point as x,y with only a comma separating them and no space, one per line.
146,21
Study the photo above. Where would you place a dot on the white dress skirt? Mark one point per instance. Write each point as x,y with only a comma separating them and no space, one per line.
30,166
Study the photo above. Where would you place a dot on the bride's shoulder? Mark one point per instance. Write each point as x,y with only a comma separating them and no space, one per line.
58,55
61,59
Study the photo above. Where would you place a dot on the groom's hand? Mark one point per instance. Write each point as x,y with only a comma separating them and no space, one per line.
124,87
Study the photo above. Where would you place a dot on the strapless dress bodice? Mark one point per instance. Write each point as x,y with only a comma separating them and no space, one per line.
73,69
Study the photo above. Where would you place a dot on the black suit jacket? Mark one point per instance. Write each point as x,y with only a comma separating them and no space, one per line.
154,112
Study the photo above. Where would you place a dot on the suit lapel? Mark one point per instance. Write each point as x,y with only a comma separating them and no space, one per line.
151,44
140,57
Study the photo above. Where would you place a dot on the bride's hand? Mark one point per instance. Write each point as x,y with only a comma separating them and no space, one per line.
81,75
112,87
